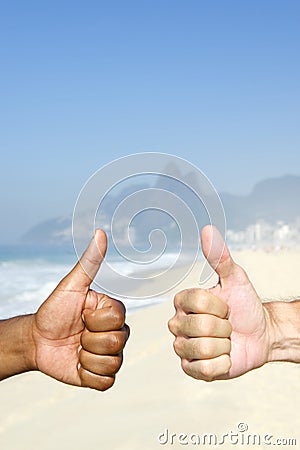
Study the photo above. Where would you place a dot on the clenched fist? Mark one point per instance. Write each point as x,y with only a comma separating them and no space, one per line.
77,335
225,331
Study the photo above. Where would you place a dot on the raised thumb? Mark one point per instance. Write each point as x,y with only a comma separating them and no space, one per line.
216,252
82,275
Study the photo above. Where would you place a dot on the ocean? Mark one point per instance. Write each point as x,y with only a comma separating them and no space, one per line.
29,274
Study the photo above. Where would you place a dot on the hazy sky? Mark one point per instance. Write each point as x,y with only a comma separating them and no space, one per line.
82,83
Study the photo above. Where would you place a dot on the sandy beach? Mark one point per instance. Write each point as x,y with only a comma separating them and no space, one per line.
152,394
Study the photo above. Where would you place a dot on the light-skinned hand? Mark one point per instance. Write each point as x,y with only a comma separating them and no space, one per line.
222,332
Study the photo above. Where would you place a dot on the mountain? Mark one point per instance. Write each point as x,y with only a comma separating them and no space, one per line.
56,231
271,200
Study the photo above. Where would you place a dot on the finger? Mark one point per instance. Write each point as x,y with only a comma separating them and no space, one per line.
201,348
199,325
87,267
105,343
200,301
207,369
110,317
93,381
216,252
99,364
110,302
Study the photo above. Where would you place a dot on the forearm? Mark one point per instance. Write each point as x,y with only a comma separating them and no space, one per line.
16,346
284,330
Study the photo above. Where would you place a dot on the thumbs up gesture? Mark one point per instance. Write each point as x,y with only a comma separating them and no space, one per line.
222,332
78,334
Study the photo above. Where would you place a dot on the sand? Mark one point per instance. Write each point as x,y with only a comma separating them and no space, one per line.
152,394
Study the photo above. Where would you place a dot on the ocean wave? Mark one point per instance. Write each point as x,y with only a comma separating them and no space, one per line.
25,284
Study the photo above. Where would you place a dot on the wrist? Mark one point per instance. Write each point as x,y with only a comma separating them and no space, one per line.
28,345
17,348
283,322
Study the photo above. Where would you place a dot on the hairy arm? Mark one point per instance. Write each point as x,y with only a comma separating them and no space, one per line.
284,325
226,331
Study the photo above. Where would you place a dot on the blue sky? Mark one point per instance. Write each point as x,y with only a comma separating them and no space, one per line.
82,83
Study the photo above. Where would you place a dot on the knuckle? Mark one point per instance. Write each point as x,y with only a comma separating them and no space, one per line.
118,317
201,293
100,383
88,260
106,383
120,306
123,334
115,343
185,365
177,300
178,347
209,325
198,295
205,303
207,372
195,291
114,364
205,349
172,325
179,296
126,332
